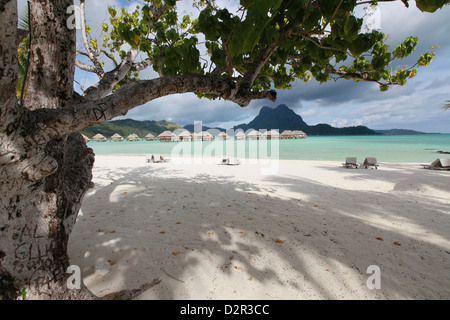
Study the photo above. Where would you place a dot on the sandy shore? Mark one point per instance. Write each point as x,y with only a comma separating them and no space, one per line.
287,230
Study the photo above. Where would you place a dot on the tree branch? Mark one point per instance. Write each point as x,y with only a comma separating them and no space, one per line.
111,78
91,54
50,124
85,67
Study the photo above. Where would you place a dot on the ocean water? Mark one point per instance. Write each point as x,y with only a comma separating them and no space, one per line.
401,148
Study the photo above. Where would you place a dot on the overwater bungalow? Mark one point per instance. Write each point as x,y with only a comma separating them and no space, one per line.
85,138
149,137
203,136
223,136
116,137
287,134
253,134
271,134
168,136
133,137
298,134
183,135
99,137
240,135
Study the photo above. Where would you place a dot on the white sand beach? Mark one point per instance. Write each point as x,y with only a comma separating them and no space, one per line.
300,230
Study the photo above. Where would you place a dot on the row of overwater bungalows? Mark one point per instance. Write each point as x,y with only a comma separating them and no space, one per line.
184,135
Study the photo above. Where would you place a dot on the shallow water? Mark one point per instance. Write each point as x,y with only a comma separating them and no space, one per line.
402,148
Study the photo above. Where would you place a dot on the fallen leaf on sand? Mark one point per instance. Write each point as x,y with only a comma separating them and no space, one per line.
210,233
162,232
237,268
175,253
250,279
125,192
396,243
178,222
99,230
379,238
279,241
111,263
315,205
250,218
229,205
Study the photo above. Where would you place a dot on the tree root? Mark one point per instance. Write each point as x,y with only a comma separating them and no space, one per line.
130,294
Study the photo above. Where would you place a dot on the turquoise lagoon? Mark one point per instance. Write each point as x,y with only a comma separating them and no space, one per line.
400,148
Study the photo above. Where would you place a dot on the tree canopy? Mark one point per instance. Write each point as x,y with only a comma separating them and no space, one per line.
266,44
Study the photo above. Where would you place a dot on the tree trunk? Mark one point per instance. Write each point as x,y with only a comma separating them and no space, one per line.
42,184
36,221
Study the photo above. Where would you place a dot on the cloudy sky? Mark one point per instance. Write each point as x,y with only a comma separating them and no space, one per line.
417,105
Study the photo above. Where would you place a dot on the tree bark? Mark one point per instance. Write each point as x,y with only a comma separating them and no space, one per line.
42,182
45,165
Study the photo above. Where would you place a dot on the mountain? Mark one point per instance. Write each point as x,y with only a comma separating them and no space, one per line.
281,118
284,118
126,127
392,132
190,128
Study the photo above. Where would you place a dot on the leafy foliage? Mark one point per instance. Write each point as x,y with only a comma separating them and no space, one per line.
265,44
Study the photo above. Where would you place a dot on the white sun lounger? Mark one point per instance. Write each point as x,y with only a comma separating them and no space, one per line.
438,164
350,162
370,162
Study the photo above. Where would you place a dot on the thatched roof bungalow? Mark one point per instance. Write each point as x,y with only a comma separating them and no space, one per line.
149,137
287,134
133,137
99,137
168,136
223,136
240,135
271,134
184,135
116,137
203,136
298,134
253,134
85,138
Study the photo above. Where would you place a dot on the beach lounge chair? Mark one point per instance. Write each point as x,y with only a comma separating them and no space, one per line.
370,162
228,162
438,164
234,162
350,162
156,158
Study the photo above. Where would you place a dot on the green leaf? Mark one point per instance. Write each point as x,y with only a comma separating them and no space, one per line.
425,59
430,5
93,44
105,27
